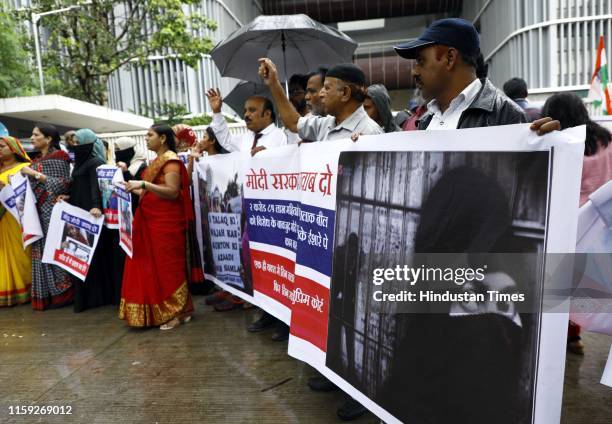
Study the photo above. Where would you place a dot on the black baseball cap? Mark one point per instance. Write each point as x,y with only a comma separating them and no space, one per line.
452,32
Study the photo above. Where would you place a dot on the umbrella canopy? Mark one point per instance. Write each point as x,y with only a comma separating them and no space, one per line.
297,44
245,89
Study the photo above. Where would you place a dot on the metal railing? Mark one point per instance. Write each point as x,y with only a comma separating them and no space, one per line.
552,44
139,136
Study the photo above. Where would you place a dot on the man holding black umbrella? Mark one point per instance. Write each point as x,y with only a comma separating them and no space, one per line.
342,96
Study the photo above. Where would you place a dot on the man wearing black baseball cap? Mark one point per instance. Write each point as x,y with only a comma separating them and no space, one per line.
447,55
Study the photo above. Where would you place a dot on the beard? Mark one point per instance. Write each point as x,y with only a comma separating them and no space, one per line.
317,110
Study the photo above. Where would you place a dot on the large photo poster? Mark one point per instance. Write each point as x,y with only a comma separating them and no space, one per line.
218,188
108,176
345,236
125,219
409,209
291,221
72,239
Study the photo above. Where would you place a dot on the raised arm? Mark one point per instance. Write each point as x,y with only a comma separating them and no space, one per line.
269,75
218,124
194,156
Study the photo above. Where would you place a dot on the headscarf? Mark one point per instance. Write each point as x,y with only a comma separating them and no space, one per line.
133,154
16,147
466,211
86,136
184,135
381,99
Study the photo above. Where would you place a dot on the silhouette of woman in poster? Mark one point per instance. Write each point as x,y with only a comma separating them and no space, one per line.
459,368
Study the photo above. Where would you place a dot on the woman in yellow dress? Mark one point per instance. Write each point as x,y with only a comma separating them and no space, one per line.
15,262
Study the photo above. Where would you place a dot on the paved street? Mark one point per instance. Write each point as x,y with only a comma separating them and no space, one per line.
208,371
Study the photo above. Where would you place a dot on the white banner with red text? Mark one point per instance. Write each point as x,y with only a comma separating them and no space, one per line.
72,239
333,227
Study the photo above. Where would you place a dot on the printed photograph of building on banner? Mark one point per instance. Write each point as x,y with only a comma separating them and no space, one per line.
221,218
393,204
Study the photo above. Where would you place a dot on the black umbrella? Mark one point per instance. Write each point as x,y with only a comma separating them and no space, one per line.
242,91
296,44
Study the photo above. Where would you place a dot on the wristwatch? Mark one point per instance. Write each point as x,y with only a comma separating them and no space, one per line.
37,176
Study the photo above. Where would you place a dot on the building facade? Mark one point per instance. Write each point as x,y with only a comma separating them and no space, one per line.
552,44
167,80
164,79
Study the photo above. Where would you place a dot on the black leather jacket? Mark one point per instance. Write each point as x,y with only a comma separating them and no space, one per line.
491,107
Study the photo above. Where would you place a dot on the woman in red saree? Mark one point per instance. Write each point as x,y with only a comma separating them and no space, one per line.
155,291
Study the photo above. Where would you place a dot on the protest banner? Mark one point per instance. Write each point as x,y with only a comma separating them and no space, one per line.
125,218
290,225
72,239
108,176
592,302
184,157
7,198
330,225
219,221
19,200
606,378
592,299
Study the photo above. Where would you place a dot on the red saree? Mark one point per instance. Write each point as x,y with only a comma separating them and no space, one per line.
155,288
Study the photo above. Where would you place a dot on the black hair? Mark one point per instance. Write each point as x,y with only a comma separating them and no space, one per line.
163,129
211,134
479,215
358,92
482,69
299,79
321,71
49,130
268,105
476,61
570,111
516,88
69,133
213,137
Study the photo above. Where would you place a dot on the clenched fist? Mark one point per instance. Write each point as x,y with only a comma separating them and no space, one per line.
267,71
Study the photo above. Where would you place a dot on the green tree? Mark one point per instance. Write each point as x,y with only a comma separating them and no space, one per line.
15,73
166,113
173,113
201,120
85,45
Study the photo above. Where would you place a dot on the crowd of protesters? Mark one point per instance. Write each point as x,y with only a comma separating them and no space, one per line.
154,287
